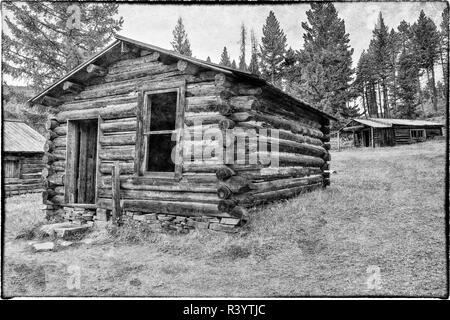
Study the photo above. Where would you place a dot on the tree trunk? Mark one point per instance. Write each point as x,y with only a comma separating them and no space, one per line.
385,99
379,99
433,86
419,91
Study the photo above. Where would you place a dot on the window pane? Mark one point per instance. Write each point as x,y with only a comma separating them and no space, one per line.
163,110
159,152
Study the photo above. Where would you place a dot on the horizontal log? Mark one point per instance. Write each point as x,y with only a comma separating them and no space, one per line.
108,112
272,173
286,159
117,154
136,73
206,88
100,102
204,118
168,207
273,185
155,185
266,197
118,126
162,196
202,103
118,140
132,85
122,65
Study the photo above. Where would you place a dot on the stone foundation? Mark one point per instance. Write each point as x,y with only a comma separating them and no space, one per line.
180,224
155,222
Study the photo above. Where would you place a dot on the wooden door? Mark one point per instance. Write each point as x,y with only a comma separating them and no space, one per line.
81,165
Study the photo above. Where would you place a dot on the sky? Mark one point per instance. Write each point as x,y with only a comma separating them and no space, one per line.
211,27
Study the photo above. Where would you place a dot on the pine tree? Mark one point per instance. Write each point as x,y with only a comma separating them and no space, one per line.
326,59
272,50
253,66
233,64
208,59
426,49
243,40
394,50
381,55
180,41
404,35
292,73
48,39
407,77
225,58
444,48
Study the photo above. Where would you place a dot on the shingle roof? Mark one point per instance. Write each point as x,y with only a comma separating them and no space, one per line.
372,123
406,122
201,63
19,137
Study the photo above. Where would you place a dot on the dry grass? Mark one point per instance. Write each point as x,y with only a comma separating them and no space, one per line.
384,209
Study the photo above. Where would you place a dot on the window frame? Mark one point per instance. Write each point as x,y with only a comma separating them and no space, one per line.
143,132
416,134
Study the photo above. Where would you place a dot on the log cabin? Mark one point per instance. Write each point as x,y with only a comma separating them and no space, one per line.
145,134
380,132
23,149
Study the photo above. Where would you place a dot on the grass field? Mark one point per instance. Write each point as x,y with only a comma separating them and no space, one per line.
379,229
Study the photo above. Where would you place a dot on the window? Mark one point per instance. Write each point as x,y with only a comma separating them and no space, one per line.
162,119
417,133
12,169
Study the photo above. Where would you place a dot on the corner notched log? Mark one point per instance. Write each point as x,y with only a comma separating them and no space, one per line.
72,87
224,173
187,67
96,70
50,101
51,124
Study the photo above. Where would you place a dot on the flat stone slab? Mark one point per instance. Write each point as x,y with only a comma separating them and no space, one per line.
70,230
49,229
43,246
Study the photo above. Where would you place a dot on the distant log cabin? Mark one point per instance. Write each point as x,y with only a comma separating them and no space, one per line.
23,148
380,132
122,140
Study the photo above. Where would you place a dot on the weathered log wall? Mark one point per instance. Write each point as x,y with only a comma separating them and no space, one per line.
27,175
296,137
208,187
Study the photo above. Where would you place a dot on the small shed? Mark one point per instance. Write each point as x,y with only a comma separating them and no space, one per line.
23,148
166,139
380,132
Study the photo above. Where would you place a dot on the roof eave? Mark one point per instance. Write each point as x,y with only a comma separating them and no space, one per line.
207,65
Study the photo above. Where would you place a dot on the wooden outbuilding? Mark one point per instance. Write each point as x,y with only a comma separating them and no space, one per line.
380,132
23,149
139,131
